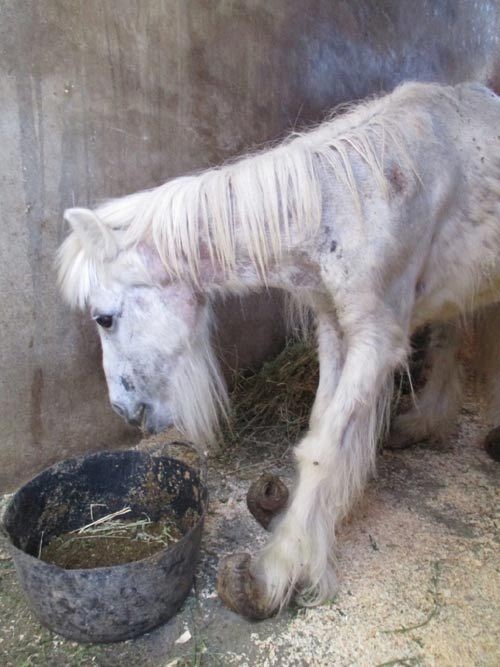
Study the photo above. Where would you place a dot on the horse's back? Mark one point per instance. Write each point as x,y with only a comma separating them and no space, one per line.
462,270
479,110
458,112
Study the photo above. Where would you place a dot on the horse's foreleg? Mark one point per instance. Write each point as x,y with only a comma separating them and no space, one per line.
334,460
267,496
237,586
437,404
331,359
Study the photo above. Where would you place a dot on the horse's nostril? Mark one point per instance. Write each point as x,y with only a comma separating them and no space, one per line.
135,419
133,416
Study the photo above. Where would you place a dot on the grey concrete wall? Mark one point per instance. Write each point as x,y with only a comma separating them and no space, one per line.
101,98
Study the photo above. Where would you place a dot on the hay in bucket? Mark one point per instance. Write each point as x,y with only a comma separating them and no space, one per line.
110,540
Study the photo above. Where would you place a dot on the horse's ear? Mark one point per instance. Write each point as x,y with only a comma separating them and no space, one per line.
97,239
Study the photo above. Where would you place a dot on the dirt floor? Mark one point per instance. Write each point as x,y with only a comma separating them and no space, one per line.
418,572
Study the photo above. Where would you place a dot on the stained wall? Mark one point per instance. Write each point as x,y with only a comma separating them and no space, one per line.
100,98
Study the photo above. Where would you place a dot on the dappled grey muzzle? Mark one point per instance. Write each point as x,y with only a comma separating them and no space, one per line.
134,416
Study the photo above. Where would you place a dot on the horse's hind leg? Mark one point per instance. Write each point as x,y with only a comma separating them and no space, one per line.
487,353
437,404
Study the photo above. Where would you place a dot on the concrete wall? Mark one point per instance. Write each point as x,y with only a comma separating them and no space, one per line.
104,97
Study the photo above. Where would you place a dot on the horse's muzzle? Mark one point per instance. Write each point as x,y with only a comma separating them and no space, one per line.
134,416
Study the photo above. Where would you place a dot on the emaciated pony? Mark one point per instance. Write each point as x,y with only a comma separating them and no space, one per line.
379,220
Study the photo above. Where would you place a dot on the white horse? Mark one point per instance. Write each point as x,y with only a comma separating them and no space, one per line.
380,220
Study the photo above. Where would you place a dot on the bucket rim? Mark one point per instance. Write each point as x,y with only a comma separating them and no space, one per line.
199,522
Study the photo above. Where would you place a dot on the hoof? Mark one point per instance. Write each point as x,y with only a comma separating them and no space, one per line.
266,498
492,443
238,589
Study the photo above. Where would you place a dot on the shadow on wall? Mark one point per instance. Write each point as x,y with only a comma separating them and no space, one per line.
102,99
355,49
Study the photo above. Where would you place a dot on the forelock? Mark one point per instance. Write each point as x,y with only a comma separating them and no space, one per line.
80,273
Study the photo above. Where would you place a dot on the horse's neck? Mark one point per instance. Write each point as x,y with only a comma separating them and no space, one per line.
243,277
293,271
245,273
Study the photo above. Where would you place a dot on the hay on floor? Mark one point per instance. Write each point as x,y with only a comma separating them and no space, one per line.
272,406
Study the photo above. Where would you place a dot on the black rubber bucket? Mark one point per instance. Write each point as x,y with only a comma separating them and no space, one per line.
105,604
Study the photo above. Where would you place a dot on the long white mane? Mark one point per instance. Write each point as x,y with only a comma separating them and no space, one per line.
256,202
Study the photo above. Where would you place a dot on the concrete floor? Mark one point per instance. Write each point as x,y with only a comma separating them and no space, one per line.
418,570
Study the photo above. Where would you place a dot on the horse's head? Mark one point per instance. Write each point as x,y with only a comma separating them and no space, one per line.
154,330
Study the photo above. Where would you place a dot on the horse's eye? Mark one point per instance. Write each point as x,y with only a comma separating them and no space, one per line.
105,321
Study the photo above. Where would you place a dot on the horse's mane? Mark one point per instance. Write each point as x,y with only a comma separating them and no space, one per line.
257,201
